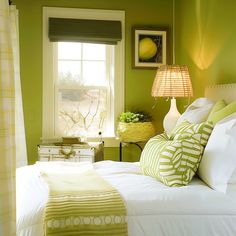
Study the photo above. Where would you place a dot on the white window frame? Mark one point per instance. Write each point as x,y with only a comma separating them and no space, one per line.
49,67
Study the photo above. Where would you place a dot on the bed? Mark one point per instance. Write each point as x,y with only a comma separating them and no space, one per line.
153,209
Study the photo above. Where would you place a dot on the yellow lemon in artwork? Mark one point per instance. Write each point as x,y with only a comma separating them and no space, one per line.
147,48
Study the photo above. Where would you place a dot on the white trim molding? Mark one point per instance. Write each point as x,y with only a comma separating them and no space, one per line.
48,130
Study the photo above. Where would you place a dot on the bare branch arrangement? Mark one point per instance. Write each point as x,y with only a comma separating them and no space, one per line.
84,121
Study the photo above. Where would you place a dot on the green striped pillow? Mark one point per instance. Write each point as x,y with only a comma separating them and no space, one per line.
175,161
200,132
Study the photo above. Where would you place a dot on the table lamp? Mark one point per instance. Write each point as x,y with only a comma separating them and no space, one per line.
172,81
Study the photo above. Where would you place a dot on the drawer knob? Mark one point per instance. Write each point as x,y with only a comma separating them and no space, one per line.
68,154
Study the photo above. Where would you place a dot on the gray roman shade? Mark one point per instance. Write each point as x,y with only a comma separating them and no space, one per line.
83,30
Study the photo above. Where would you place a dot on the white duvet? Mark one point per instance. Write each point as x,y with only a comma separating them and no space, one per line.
153,209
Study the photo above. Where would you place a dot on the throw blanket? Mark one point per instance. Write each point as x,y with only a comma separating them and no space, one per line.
83,204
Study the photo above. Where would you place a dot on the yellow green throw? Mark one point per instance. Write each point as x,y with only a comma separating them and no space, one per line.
83,204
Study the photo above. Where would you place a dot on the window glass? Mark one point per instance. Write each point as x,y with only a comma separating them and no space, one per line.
94,51
94,72
82,112
69,71
82,89
69,51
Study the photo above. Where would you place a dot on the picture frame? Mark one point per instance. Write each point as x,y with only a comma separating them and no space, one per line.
149,47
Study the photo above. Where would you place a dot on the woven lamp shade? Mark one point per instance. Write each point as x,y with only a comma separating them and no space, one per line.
172,81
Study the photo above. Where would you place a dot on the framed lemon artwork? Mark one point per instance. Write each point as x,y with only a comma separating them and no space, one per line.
149,47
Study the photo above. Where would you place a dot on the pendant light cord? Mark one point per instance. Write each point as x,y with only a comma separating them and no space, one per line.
173,37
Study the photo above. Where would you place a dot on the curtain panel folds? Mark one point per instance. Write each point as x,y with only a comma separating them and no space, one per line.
21,153
9,110
7,126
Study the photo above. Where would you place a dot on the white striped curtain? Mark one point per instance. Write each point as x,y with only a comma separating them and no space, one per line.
21,154
7,122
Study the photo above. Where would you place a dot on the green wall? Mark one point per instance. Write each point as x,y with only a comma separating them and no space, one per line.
138,82
205,40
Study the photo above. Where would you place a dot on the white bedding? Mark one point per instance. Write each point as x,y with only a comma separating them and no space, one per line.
152,208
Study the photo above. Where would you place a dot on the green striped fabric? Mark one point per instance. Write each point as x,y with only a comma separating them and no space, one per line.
199,132
83,204
175,160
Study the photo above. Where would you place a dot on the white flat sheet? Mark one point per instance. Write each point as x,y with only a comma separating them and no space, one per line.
153,209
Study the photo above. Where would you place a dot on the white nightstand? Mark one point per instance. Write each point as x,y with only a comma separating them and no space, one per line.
91,151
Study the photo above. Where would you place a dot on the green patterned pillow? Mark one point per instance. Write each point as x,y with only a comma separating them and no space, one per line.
222,113
199,132
175,161
217,107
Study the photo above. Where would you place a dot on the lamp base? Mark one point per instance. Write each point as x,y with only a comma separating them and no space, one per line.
171,117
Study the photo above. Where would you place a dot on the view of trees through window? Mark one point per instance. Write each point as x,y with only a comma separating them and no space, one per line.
82,89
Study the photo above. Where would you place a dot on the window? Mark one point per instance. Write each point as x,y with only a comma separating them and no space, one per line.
82,82
83,91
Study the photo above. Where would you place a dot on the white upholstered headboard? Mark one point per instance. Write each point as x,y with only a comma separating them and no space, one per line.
221,91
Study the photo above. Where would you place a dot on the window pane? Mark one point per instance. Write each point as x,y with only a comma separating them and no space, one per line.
94,73
69,71
81,112
94,51
67,50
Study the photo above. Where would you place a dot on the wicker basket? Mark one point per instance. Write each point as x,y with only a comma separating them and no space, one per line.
135,132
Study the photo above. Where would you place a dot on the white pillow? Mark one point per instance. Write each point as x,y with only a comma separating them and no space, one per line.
197,112
233,177
219,158
231,190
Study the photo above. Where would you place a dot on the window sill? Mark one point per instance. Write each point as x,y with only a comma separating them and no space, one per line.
108,141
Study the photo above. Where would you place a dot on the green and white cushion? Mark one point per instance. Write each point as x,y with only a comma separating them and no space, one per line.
219,105
175,160
219,114
200,132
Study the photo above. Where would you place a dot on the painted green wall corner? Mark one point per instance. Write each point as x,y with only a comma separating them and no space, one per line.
144,13
205,39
